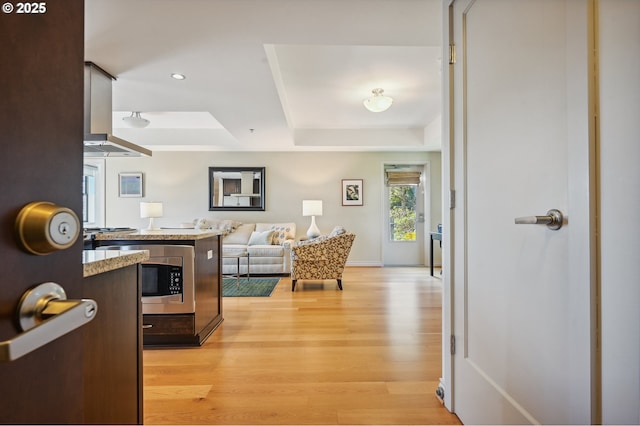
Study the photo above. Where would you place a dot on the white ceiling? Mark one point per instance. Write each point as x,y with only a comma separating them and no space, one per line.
271,75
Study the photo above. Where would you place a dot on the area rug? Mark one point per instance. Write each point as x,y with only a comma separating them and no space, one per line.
251,287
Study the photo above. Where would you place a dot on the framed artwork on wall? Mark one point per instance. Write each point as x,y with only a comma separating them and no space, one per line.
352,192
130,184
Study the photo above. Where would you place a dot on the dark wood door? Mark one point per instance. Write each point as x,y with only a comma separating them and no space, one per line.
41,97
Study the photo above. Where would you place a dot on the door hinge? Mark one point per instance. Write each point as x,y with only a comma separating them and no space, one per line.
452,54
452,344
452,198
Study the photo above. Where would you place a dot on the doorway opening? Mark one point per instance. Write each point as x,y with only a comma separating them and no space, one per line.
406,209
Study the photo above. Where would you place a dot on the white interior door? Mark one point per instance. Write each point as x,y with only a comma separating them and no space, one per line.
522,144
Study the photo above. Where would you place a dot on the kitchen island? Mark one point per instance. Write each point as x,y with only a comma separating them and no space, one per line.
113,340
202,289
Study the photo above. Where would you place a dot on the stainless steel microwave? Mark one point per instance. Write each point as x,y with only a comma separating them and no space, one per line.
168,279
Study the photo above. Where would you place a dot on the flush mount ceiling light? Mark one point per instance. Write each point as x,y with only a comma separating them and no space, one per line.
378,102
178,76
136,120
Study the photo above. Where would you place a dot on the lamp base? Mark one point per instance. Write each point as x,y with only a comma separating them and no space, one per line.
152,226
313,231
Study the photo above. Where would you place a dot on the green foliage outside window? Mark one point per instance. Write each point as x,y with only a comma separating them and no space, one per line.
402,204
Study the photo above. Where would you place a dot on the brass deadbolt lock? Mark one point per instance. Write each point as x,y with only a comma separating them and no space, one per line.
42,227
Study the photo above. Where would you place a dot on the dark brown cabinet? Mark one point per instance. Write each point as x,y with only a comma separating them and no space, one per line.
113,348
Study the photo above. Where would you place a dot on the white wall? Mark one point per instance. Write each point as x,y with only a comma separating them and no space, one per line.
619,24
180,181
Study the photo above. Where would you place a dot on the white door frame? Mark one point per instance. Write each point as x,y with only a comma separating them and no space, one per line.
448,191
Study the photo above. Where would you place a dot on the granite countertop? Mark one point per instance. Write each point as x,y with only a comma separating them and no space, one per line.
162,234
96,262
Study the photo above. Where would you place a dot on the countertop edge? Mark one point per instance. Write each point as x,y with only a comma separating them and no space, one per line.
173,234
96,262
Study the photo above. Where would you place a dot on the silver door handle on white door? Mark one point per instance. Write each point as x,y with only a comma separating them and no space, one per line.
554,220
45,314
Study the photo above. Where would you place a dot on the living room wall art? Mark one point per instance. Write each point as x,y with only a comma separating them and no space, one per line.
352,192
130,184
236,188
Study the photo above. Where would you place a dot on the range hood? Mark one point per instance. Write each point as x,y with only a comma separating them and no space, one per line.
98,138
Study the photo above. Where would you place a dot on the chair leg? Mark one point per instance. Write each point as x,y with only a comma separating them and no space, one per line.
339,283
293,285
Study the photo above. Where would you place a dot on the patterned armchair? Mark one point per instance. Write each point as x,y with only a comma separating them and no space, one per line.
322,258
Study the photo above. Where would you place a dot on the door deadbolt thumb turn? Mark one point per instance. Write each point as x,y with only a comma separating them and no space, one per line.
42,227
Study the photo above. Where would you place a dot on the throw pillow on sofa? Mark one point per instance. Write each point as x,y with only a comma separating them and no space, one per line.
281,233
261,238
241,235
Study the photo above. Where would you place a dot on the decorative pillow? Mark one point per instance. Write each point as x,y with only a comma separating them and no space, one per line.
338,230
201,223
280,234
228,224
261,238
241,235
312,240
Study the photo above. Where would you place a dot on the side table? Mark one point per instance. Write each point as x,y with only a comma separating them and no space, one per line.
238,255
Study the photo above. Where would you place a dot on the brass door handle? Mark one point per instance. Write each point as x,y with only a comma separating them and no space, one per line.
44,315
553,220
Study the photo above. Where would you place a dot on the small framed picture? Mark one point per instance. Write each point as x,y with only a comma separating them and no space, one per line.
352,192
130,184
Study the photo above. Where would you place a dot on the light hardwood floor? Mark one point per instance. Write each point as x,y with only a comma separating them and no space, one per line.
370,354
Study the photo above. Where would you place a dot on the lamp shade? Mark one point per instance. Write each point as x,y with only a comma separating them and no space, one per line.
378,102
312,208
150,209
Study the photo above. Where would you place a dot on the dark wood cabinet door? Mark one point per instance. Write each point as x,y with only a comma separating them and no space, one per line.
113,349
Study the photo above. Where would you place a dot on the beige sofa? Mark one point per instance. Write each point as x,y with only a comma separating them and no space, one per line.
268,246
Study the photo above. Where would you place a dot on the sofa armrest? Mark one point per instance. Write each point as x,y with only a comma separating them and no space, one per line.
287,244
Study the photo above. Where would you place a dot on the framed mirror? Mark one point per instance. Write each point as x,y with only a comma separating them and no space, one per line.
236,188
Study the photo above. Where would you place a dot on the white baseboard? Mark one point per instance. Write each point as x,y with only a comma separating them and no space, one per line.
364,264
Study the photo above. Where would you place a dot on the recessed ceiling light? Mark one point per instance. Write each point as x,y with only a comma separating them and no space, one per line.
178,76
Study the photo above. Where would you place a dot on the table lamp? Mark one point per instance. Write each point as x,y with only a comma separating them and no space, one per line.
151,210
312,208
